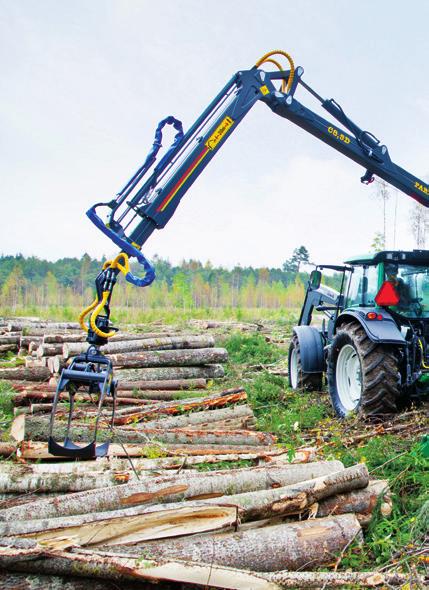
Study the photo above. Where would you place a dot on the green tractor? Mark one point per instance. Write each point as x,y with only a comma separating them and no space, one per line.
373,340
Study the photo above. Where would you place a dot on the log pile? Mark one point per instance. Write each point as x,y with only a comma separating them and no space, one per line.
166,355
163,507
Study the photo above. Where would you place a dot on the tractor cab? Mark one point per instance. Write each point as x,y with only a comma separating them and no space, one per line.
373,344
398,281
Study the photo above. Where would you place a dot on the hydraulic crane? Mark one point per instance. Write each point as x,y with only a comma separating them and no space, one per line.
150,198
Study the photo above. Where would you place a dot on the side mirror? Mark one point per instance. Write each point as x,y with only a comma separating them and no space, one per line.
315,279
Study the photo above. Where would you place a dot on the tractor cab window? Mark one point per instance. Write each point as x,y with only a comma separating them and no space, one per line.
411,284
363,286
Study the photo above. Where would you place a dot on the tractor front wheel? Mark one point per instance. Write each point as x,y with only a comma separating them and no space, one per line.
362,375
297,378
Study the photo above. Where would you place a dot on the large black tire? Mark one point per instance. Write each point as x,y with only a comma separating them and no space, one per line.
379,373
297,378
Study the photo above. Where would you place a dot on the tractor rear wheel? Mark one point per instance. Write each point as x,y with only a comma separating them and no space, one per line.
362,375
297,378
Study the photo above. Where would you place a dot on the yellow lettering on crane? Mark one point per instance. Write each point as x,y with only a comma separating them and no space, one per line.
219,133
422,188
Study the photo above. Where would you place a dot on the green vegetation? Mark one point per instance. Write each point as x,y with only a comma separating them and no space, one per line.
250,349
30,286
6,407
299,418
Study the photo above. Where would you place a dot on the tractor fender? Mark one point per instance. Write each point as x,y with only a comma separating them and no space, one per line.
383,331
310,348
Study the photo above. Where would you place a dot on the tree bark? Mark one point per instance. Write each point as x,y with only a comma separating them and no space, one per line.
170,358
168,385
31,450
308,544
170,373
36,429
62,338
19,581
5,339
361,502
145,344
238,411
8,348
319,580
28,556
31,363
17,326
229,396
26,374
252,505
268,458
49,350
7,449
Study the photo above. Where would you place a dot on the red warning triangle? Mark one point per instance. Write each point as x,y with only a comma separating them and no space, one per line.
387,295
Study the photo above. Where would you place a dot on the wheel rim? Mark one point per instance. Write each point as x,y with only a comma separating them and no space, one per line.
349,378
293,368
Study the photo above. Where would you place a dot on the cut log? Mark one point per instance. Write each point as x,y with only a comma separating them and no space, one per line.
170,358
146,344
36,429
165,463
166,384
31,363
8,348
238,411
5,339
31,450
284,546
26,555
18,326
25,341
61,338
156,394
361,502
24,374
16,581
127,525
49,350
229,396
319,580
253,505
170,373
7,449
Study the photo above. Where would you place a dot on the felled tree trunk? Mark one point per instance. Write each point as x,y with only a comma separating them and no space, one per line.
26,374
147,344
4,339
49,349
258,504
284,546
169,385
26,555
169,373
17,581
217,400
196,418
317,580
170,358
32,450
361,502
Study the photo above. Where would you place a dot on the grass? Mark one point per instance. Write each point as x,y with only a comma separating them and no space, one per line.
299,418
6,408
125,315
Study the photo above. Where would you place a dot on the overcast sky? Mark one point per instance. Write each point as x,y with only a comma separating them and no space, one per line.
85,82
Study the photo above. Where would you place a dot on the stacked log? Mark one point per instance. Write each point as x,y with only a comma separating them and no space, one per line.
150,511
165,355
